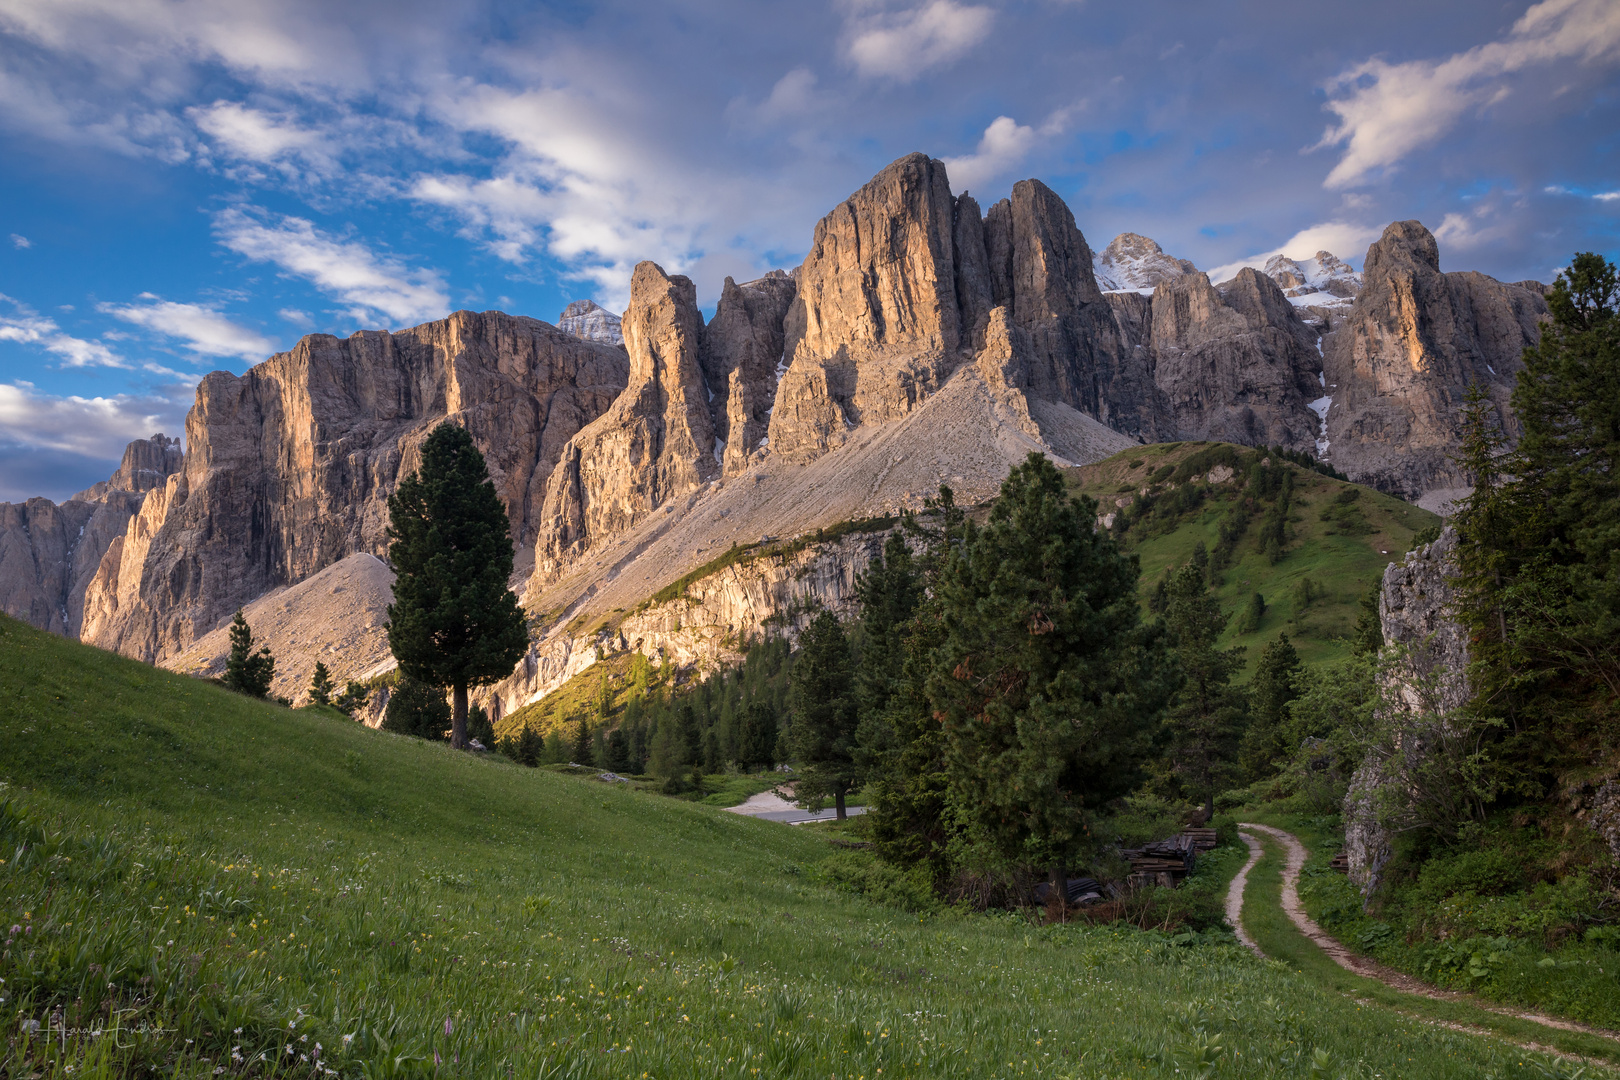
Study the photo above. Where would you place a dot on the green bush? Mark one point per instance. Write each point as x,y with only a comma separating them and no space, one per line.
1486,872
881,882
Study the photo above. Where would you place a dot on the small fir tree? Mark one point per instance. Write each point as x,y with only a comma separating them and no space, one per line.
530,747
453,623
479,727
758,743
246,671
1274,686
821,733
618,751
580,748
320,685
353,699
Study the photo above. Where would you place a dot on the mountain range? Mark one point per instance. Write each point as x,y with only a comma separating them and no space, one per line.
922,341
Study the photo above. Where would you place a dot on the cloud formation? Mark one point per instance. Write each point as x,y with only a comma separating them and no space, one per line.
203,330
95,427
1386,111
25,326
371,285
901,45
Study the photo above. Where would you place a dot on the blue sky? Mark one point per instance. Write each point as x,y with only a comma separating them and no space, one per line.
189,185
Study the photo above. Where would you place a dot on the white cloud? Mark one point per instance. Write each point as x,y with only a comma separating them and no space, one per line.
296,317
21,243
1607,196
1386,111
28,327
97,427
254,135
371,285
1005,143
902,45
1346,240
205,331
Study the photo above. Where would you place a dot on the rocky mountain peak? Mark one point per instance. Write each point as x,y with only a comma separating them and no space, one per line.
1323,280
589,321
146,464
1132,262
1404,245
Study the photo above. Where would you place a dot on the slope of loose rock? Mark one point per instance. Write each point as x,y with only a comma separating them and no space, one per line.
337,617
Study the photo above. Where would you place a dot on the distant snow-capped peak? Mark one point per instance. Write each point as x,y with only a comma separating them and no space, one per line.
589,320
1322,281
1134,263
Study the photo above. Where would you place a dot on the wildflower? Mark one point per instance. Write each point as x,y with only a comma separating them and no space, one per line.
448,1026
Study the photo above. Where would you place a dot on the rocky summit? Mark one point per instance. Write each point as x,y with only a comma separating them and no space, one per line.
923,340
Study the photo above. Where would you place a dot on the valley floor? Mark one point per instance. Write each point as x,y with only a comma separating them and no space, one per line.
244,890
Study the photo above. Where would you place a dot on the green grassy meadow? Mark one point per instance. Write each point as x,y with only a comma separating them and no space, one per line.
198,884
1339,562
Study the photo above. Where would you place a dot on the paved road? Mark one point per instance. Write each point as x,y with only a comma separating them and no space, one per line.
769,806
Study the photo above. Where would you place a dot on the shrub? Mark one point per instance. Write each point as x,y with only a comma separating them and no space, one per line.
881,882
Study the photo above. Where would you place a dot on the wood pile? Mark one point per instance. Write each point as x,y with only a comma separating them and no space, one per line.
1202,839
1165,863
1341,862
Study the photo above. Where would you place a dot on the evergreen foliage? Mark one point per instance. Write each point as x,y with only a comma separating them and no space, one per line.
453,623
1046,685
480,727
354,696
246,671
320,685
417,709
1275,685
823,716
1207,716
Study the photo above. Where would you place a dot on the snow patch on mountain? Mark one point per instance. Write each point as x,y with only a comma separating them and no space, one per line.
589,320
1325,280
1134,263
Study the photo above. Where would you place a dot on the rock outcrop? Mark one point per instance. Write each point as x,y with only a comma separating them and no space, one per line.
654,443
50,553
1398,367
589,321
1415,612
743,354
875,326
289,467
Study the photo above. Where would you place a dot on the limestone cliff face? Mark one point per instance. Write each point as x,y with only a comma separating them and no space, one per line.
1414,609
875,326
1234,363
743,349
50,553
289,467
655,442
1399,366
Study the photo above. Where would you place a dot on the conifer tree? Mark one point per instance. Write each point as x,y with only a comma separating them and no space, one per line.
821,732
618,751
757,749
888,593
454,623
480,727
1274,686
1206,718
530,747
1047,686
353,697
246,671
580,750
320,685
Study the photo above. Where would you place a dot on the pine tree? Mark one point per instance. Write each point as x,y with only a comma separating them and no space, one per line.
1047,686
1206,718
320,685
354,697
530,747
618,751
453,623
821,733
246,671
580,749
1274,686
888,593
758,742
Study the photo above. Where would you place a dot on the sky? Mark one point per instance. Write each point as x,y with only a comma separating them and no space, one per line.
191,185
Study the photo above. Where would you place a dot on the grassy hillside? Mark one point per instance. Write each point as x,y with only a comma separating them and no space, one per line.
238,888
1338,542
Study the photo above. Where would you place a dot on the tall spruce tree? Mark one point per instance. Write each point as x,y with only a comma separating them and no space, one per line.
246,671
1206,718
821,732
1274,686
453,623
1048,686
1539,540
